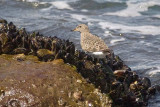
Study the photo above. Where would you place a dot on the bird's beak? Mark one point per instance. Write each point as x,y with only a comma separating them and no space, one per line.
73,30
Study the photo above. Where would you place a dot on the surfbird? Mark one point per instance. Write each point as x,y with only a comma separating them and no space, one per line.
92,43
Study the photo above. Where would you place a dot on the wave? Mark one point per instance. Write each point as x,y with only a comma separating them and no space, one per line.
154,72
149,30
134,9
156,16
28,0
55,4
113,41
145,29
61,5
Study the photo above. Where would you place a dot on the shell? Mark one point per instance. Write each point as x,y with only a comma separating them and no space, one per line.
4,38
8,47
20,50
119,73
60,54
3,21
146,82
45,55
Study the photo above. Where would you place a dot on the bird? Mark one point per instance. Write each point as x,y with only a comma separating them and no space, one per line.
91,43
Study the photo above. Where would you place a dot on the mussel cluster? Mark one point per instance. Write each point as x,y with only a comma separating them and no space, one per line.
110,75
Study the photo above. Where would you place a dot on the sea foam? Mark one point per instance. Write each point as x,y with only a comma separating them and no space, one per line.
133,8
57,4
61,5
148,29
117,40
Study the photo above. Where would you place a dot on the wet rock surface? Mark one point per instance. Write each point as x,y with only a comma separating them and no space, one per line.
25,80
34,83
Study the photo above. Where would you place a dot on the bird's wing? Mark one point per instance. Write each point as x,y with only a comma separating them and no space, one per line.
96,43
102,45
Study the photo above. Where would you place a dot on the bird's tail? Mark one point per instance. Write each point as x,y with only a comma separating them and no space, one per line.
108,52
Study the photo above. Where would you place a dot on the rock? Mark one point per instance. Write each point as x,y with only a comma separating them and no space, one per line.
54,83
4,38
61,102
133,86
79,81
69,58
8,48
39,84
3,21
146,82
157,88
45,54
77,95
152,90
20,50
119,73
116,85
58,61
60,54
20,57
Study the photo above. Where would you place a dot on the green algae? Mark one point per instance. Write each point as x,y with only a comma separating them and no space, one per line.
45,84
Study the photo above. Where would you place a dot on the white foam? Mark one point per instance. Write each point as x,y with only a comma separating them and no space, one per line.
29,0
107,32
134,8
61,5
117,40
152,30
79,17
154,72
157,16
83,17
58,4
84,10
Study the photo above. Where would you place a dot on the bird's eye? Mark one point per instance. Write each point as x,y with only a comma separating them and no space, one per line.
80,26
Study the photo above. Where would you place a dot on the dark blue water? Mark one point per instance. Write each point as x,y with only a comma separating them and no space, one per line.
130,27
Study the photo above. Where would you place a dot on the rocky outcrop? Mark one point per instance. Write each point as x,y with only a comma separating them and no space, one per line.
43,84
121,86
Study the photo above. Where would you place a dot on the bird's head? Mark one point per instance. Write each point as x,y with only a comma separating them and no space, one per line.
81,28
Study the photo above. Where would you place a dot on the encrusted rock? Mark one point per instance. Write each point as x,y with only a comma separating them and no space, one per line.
123,85
77,95
146,82
20,50
120,73
20,57
45,54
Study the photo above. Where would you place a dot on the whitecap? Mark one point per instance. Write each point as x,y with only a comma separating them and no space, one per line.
152,30
117,40
84,18
157,16
61,5
107,32
84,10
134,9
57,4
154,72
79,17
29,0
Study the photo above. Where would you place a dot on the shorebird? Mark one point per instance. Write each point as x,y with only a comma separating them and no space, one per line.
92,43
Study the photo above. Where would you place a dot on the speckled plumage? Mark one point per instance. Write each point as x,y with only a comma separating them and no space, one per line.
90,42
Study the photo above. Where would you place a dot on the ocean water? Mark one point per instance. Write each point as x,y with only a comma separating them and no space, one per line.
130,27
